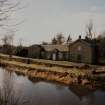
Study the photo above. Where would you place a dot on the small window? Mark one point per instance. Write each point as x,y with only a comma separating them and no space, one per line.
79,48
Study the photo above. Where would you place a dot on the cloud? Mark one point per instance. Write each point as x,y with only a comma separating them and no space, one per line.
45,18
93,8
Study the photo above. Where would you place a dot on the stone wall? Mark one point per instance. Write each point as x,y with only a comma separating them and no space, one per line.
80,52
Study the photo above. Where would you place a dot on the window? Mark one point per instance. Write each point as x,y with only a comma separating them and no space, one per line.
79,48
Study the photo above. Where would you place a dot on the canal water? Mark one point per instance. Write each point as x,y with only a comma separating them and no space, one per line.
45,93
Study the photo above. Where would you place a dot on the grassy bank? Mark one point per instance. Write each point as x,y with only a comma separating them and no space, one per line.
49,63
58,71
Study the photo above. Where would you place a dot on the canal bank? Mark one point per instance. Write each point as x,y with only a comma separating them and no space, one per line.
63,72
40,92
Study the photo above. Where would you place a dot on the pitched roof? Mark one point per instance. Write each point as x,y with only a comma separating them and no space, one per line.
84,41
35,45
62,48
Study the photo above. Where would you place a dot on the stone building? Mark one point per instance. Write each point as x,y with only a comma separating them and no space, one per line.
101,54
83,51
35,51
56,52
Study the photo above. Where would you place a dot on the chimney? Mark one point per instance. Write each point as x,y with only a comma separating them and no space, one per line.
79,36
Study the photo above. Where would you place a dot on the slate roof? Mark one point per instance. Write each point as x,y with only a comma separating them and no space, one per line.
65,48
84,41
61,48
34,46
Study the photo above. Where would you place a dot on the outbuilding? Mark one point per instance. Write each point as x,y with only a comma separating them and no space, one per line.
56,52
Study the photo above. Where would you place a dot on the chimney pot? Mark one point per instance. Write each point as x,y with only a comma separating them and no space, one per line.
79,36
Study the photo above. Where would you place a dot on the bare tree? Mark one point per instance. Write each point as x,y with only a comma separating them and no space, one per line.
8,42
20,42
8,93
54,41
60,38
7,7
89,30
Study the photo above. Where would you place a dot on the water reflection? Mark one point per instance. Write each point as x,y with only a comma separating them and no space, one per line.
85,95
8,91
39,92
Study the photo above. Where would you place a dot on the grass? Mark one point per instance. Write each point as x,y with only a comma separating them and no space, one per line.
65,64
43,67
49,65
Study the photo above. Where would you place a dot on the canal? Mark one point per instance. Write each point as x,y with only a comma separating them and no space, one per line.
38,92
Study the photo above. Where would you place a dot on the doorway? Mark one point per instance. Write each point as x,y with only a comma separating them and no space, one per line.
79,58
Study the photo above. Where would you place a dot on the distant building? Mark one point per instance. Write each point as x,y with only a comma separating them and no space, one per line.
83,51
35,51
89,51
101,54
56,52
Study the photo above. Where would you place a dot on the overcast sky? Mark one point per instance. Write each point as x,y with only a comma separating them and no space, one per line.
45,18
